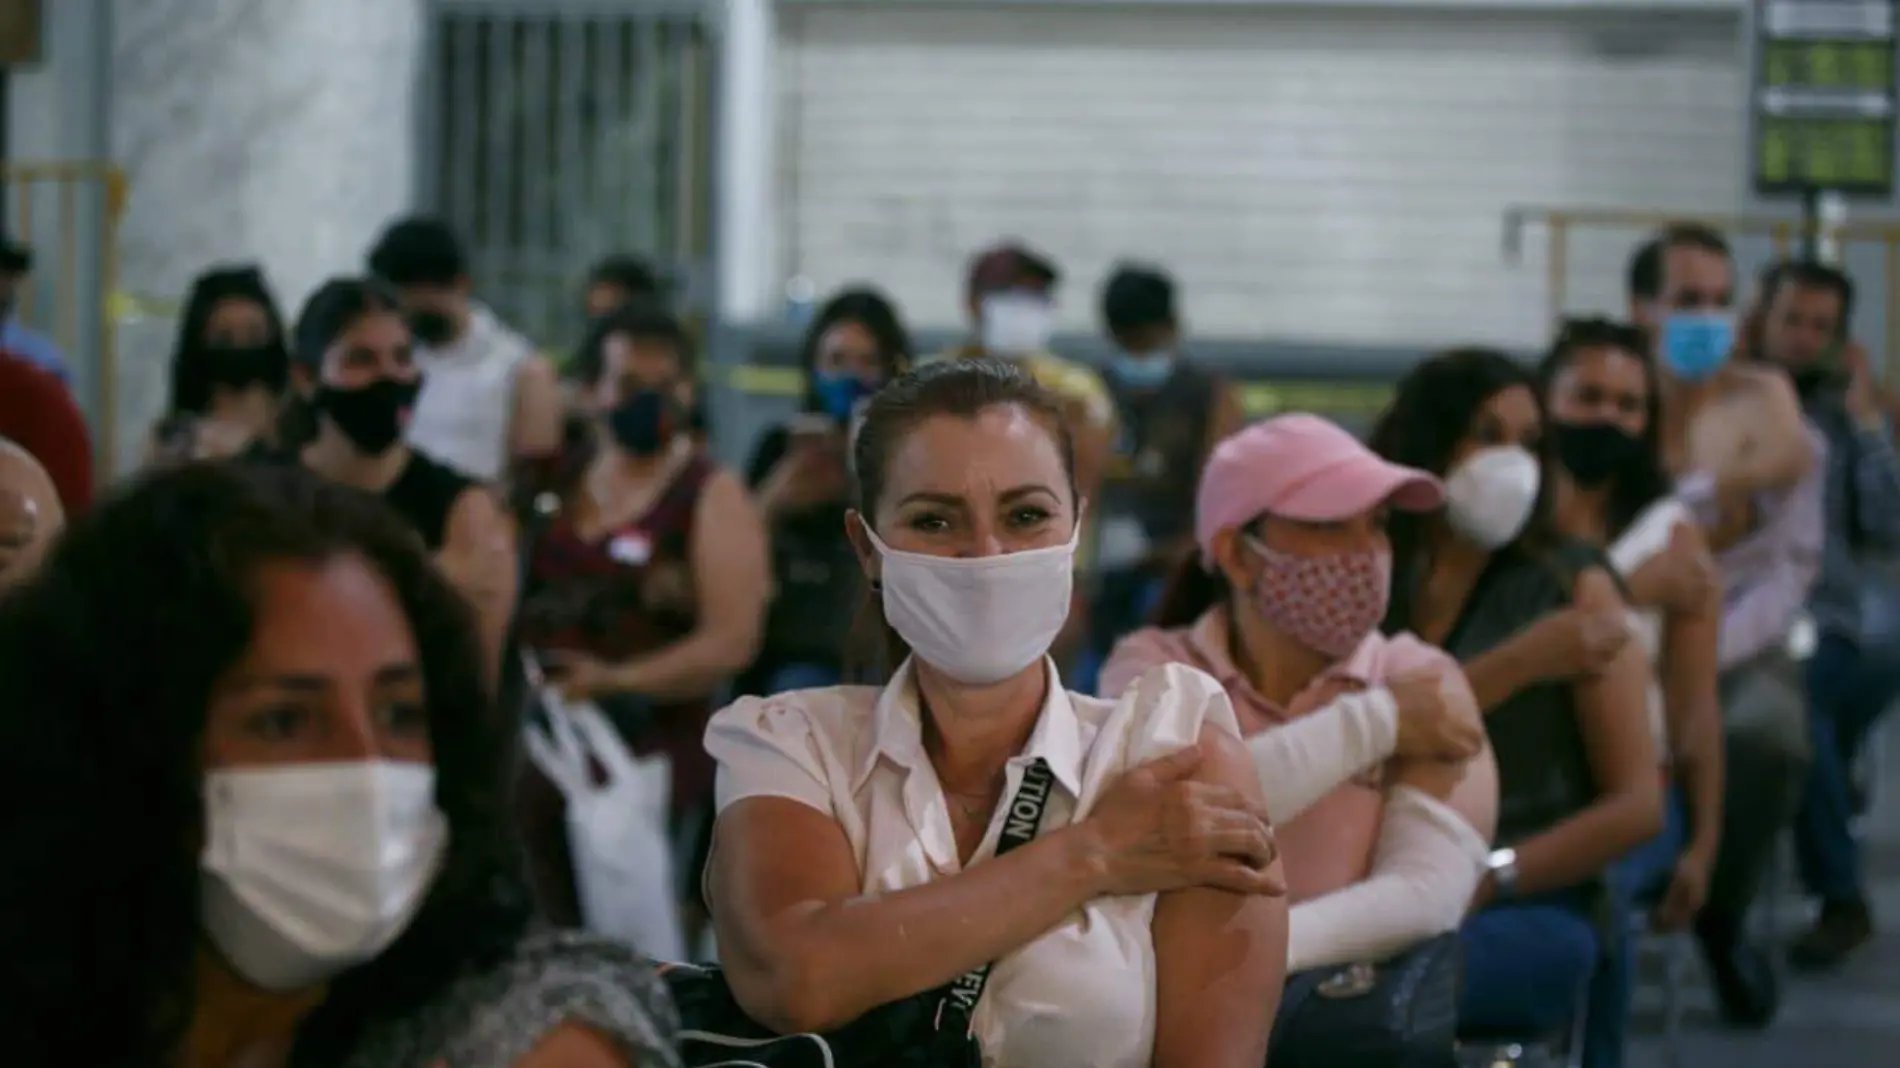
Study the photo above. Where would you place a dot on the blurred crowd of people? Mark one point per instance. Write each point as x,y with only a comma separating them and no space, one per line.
427,700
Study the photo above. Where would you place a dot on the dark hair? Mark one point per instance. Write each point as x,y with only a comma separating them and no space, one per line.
1430,416
326,315
1809,274
329,313
1137,296
1192,588
629,273
1638,488
640,320
190,387
103,811
1645,279
875,313
963,389
419,251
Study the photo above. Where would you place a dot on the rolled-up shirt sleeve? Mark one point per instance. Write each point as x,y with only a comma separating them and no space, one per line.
1758,617
766,747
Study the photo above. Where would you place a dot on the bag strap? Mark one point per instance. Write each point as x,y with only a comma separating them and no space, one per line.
1020,824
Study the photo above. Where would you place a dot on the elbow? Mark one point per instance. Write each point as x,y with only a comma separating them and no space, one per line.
1642,810
732,650
794,996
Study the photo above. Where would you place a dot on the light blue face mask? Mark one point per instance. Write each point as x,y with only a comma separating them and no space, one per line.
1696,344
1142,371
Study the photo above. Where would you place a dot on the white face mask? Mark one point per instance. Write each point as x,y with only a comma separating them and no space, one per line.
978,619
312,869
1015,323
1489,497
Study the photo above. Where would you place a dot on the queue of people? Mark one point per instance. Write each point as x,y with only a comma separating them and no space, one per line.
1157,738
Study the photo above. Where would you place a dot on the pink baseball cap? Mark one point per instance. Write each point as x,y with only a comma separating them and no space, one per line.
1300,466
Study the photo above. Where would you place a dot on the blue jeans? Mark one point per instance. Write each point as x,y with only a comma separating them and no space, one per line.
1527,964
1847,692
1636,882
798,676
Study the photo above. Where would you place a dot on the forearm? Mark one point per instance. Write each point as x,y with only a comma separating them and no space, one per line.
1220,962
1498,673
1304,760
1698,768
1582,846
693,667
840,960
1427,865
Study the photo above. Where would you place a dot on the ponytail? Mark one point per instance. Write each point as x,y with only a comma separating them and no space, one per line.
1191,590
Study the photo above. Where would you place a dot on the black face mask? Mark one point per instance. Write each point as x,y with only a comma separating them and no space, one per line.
433,328
1594,453
644,423
239,367
371,416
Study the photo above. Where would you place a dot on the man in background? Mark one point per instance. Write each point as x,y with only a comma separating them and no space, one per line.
619,280
489,401
1170,411
1803,313
1751,472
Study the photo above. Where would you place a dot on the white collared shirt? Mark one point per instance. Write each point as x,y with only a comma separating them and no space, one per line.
1082,995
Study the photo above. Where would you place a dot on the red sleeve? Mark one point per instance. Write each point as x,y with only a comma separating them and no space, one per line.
38,413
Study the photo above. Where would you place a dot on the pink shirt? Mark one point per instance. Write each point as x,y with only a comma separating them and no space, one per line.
1328,846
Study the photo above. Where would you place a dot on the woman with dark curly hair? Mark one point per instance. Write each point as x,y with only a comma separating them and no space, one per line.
272,831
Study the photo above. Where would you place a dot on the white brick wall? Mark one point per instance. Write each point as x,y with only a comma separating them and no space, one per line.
1334,175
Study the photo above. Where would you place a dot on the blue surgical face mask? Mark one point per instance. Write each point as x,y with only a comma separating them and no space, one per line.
1142,370
1696,344
839,393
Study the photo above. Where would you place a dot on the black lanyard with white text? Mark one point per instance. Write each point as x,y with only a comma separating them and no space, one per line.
1020,824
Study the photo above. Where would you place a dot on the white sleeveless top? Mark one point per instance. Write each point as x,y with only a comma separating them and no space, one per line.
1082,995
466,412
1645,537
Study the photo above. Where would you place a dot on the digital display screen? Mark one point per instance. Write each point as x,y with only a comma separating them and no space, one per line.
1843,66
1824,97
1828,154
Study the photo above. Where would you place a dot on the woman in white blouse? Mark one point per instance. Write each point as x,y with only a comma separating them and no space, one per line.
854,857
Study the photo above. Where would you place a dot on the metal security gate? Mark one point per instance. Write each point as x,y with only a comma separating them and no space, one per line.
561,131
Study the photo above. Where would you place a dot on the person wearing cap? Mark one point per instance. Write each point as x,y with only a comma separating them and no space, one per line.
16,260
1370,748
1539,622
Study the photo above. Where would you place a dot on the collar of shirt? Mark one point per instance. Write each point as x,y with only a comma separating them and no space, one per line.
1208,639
898,734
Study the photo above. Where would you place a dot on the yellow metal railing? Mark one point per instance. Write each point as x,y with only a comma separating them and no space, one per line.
64,259
1785,232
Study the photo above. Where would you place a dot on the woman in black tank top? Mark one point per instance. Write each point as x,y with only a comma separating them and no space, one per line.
1538,621
357,382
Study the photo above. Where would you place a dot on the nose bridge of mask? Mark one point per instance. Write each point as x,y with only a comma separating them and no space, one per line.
287,797
1016,322
971,563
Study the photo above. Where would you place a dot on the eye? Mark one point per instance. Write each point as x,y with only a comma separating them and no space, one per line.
278,723
1028,515
405,717
928,522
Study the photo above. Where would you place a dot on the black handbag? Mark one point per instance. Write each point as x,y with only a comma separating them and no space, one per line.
1402,1013
927,1030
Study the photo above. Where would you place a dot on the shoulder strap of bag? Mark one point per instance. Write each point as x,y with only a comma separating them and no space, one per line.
1020,824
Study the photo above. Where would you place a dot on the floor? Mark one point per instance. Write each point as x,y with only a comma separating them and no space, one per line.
1846,1020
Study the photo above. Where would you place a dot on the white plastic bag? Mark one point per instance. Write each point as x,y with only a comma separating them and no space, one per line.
616,829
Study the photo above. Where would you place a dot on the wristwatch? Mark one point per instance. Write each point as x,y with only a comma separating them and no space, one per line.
1502,866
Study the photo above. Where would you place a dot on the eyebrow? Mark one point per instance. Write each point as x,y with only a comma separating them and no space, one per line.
304,682
954,501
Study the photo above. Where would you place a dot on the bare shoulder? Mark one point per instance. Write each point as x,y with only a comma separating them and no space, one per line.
1595,588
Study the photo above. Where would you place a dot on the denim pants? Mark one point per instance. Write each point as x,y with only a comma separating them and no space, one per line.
1636,882
1847,692
1527,965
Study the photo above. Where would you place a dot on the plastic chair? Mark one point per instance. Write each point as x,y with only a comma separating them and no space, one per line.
1676,949
1561,1050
